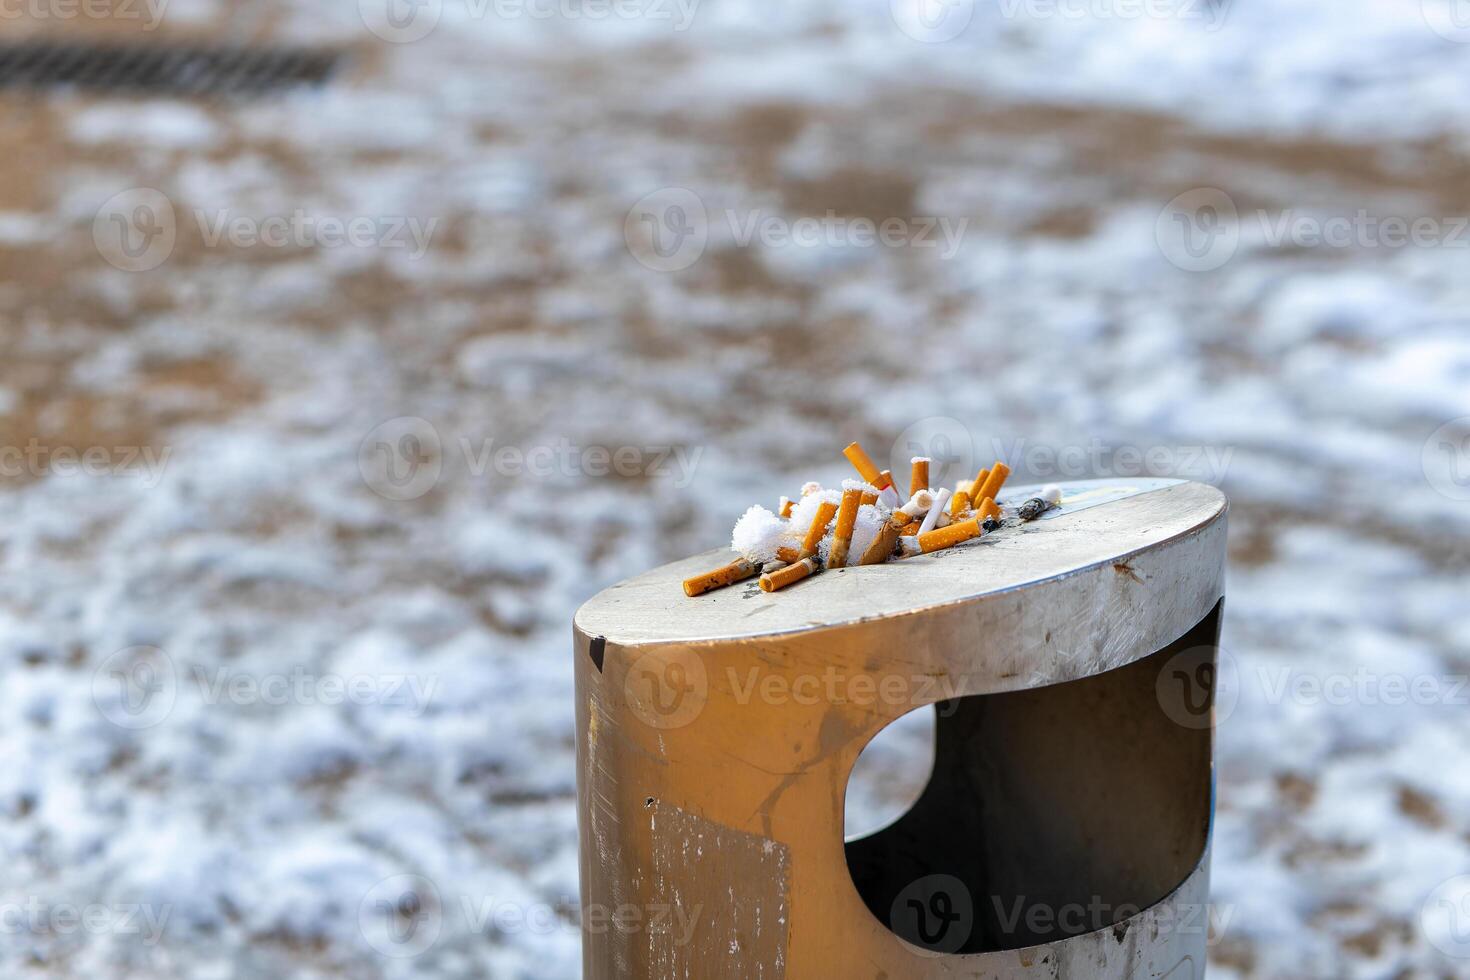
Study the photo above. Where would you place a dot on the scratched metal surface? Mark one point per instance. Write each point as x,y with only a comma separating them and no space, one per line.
711,933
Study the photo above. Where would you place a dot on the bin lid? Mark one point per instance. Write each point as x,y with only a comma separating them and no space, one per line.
1100,522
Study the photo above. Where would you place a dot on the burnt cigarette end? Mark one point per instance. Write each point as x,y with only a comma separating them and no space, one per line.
1032,509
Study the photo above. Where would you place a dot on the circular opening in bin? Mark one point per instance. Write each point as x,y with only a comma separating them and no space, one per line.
1051,812
890,775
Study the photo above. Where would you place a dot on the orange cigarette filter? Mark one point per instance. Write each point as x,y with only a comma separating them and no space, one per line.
959,503
782,577
980,479
818,530
911,529
948,537
988,508
788,555
918,476
882,547
991,487
864,465
736,571
786,504
886,478
868,498
842,533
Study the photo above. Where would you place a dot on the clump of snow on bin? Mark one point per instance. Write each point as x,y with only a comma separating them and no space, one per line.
758,534
864,529
870,520
806,508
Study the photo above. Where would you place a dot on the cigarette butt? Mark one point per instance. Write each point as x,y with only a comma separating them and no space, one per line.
918,474
911,529
864,465
785,509
988,508
868,498
885,479
720,577
818,530
1032,509
918,505
788,555
979,482
949,537
997,478
782,577
842,532
959,503
882,547
937,516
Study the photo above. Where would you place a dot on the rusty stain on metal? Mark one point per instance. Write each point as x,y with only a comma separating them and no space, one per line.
1123,568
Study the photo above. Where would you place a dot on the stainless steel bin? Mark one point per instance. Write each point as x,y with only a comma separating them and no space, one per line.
1064,830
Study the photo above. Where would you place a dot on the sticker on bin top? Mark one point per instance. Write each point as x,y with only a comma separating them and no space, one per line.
1077,497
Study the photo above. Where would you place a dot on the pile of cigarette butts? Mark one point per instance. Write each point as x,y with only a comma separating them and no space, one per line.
867,522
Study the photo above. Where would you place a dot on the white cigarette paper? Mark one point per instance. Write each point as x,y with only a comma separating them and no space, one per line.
936,512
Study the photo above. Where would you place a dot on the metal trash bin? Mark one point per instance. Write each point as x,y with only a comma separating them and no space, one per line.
1064,831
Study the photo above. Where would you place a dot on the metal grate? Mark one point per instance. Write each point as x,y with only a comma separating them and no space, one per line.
161,68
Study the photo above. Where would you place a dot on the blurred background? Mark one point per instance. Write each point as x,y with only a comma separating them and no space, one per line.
341,366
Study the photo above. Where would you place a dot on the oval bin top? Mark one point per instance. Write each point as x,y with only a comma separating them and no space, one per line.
1100,523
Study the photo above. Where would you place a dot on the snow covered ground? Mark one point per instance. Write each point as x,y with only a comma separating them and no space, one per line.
298,628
